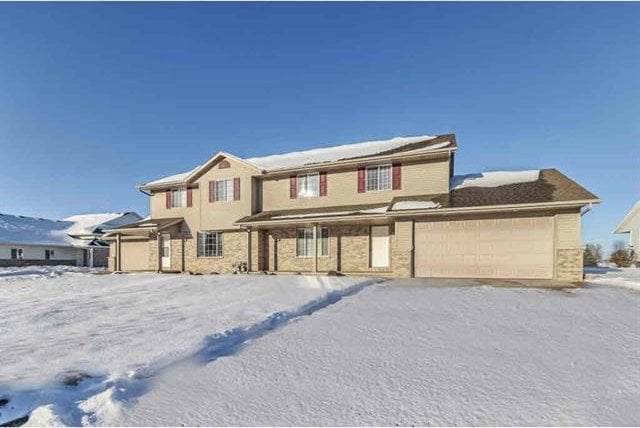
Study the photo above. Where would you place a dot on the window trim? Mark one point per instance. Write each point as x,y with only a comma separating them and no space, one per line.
306,175
19,253
183,199
229,197
378,167
304,256
220,244
50,252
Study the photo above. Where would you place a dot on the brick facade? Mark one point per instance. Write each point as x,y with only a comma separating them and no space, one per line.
349,251
235,249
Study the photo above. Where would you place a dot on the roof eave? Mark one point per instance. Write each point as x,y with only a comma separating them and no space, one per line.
494,208
362,160
307,220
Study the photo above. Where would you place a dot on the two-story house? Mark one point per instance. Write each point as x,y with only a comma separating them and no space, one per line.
391,207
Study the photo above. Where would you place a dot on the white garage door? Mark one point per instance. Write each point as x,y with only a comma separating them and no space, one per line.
485,248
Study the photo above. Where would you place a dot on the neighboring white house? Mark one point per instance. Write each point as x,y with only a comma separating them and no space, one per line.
74,240
631,225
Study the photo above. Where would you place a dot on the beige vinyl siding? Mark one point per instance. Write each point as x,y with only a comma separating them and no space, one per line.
418,178
568,231
205,215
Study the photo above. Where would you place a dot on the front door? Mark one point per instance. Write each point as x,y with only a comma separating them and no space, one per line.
166,251
380,246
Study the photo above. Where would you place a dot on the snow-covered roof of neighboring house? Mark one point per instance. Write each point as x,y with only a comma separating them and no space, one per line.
625,224
40,231
326,155
90,224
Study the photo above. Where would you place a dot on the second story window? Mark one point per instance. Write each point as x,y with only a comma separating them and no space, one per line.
178,198
308,185
379,177
224,190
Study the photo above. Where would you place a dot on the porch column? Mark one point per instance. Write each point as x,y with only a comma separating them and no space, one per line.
118,253
90,257
159,243
315,248
249,253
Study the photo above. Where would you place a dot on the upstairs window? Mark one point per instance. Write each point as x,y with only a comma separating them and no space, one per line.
209,244
224,190
178,198
378,178
308,185
16,253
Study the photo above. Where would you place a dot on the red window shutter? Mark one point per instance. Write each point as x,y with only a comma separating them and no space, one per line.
167,198
189,197
323,184
396,177
293,187
236,189
212,191
361,180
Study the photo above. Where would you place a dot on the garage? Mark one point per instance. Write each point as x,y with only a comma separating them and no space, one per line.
135,255
507,247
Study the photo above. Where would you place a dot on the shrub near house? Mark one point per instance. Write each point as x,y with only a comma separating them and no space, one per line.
390,207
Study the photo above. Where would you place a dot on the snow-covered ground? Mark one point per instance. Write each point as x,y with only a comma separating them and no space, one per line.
295,350
123,329
406,355
618,277
35,272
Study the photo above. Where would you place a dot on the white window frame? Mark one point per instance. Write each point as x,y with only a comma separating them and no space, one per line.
178,198
306,250
216,250
224,190
321,240
52,254
304,189
19,254
378,181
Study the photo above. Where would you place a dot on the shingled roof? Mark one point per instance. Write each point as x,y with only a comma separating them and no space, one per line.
550,186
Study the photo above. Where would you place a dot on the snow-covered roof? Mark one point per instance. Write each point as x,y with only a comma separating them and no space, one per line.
40,231
175,178
494,178
336,153
86,224
415,205
326,155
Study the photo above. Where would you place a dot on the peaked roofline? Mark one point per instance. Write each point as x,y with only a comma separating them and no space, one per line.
622,227
445,143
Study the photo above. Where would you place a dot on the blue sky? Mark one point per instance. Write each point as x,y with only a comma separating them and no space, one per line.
96,98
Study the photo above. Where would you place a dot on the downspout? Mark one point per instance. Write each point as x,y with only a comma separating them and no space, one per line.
587,209
413,248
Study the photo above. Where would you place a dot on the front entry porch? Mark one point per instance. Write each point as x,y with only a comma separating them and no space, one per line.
353,249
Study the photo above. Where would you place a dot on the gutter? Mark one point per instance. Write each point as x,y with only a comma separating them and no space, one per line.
492,208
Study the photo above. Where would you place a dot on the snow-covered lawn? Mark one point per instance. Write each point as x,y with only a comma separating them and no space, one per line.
295,350
122,329
408,355
617,277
